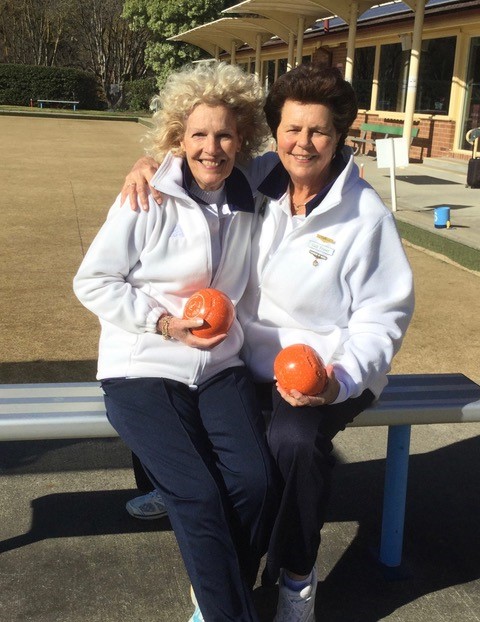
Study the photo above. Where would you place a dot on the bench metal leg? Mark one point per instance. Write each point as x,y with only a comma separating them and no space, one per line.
395,493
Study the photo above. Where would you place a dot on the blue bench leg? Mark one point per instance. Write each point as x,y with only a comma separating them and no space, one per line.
395,493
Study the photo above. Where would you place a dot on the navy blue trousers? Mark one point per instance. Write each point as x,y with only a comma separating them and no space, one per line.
205,451
300,440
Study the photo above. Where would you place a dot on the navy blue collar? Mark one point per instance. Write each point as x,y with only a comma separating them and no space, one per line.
237,190
275,185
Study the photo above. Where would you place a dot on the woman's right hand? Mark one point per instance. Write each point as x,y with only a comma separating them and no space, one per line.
180,330
136,186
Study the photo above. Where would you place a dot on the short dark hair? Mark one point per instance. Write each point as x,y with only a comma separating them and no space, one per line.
314,84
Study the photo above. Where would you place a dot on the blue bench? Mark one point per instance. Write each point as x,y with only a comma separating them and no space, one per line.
42,102
77,410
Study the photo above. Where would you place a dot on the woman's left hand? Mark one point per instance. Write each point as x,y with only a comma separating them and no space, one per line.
179,329
136,186
329,395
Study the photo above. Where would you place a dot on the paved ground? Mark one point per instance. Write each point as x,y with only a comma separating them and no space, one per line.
68,550
420,188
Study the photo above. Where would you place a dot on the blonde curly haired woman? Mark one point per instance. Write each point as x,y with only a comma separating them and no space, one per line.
184,405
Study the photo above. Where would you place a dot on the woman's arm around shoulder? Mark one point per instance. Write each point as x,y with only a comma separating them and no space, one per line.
136,185
259,167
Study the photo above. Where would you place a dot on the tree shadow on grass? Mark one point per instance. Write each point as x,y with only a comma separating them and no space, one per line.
25,372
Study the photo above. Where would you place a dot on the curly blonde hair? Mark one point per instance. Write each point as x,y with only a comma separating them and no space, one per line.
214,84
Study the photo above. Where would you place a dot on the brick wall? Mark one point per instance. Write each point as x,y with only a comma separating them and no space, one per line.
434,140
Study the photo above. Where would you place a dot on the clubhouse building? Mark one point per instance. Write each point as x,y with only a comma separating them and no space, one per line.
414,65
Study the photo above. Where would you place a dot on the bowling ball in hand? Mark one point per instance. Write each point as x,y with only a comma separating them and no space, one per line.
300,367
214,308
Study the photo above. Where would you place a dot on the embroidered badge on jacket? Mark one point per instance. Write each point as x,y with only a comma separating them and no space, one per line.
321,248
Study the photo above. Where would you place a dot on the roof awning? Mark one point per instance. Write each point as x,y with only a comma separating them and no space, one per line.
288,20
287,12
232,31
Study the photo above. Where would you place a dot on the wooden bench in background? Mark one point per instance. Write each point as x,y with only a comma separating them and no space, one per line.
377,130
77,410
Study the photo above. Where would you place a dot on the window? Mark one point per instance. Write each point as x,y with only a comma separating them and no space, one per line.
282,66
268,73
392,79
363,75
434,77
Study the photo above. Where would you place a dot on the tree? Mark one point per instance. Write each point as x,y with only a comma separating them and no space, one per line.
116,40
165,18
35,32
109,47
86,34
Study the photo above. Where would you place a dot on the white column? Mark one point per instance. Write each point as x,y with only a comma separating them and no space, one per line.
413,72
352,35
291,50
258,55
233,54
376,72
300,31
459,85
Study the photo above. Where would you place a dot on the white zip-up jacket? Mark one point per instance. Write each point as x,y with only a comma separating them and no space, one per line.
142,265
339,282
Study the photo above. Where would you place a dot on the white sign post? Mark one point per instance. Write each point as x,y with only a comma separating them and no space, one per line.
392,152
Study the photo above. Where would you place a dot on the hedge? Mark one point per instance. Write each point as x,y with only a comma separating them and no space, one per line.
21,83
138,93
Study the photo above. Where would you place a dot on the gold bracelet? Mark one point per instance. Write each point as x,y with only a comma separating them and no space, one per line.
164,325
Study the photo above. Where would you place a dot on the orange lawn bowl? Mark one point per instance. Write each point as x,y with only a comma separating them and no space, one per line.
215,309
300,367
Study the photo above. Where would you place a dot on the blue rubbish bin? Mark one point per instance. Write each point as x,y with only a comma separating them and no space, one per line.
441,217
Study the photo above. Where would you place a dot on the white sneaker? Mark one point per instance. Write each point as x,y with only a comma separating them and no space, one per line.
197,614
296,606
147,507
